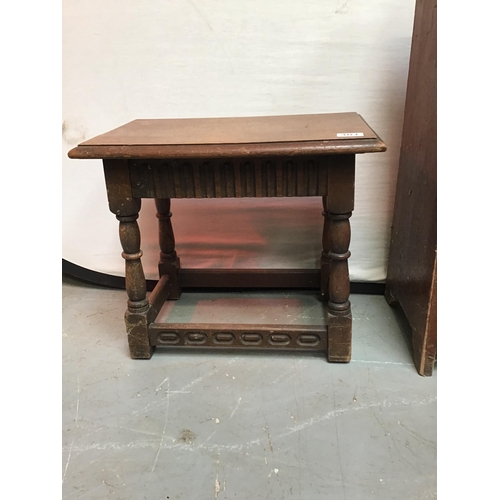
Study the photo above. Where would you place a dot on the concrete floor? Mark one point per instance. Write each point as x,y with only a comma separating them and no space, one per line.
223,425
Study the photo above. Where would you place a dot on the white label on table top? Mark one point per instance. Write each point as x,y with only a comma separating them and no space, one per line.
351,134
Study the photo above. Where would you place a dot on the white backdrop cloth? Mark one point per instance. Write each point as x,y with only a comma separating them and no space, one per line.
124,59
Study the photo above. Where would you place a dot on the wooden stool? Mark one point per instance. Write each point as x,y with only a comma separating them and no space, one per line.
275,156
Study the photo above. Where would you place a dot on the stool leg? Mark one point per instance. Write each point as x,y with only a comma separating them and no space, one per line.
169,262
325,260
135,284
339,206
126,208
339,307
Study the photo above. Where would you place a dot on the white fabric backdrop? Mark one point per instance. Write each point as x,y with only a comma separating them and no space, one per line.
127,59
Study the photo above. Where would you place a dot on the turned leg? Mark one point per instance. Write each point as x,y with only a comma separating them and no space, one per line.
325,260
126,208
169,262
339,206
339,307
135,284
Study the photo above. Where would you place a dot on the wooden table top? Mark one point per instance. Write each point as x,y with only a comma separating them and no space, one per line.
329,133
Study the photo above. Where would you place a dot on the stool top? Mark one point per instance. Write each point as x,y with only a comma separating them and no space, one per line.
329,133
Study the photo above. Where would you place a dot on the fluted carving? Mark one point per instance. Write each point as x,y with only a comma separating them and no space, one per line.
235,178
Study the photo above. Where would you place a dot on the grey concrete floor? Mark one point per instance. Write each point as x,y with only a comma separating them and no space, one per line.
222,425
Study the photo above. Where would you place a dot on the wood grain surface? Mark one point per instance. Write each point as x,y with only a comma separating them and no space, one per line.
244,136
411,276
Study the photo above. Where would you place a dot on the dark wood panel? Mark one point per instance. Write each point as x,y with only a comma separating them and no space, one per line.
411,278
237,178
298,337
249,278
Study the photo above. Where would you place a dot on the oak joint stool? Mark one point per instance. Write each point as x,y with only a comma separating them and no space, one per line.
274,156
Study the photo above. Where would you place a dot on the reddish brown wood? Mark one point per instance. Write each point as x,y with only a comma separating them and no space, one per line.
411,275
218,158
234,137
339,206
229,150
236,130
